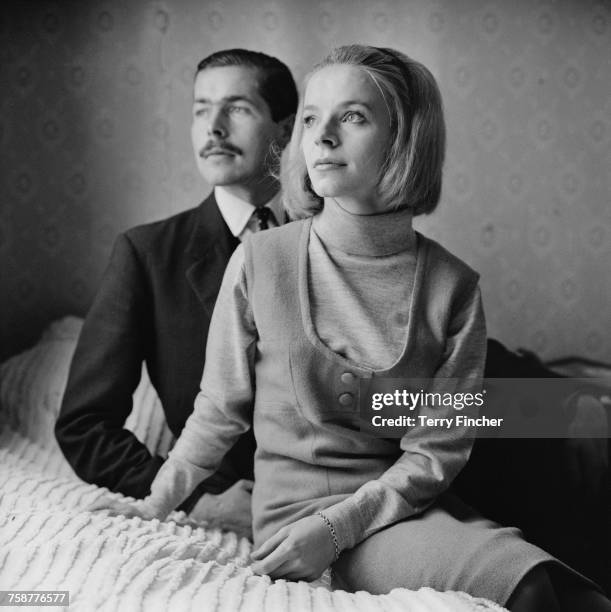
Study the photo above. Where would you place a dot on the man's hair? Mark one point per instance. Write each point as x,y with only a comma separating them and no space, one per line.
412,172
276,84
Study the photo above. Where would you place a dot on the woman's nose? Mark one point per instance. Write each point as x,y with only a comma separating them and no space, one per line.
327,135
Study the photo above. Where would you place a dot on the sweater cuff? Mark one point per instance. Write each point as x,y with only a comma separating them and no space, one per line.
371,508
346,520
174,482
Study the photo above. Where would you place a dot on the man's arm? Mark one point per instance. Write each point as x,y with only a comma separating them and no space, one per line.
222,412
223,408
105,370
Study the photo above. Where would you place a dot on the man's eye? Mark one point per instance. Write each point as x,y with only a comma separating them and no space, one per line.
238,110
200,112
308,120
353,117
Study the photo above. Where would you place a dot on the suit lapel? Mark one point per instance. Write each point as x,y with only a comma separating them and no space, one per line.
209,248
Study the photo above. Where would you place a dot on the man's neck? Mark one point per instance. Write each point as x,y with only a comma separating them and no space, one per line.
257,195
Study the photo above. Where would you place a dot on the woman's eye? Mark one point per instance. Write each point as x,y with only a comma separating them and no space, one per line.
353,117
308,120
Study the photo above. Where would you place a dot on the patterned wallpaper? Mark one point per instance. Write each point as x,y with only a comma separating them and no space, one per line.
94,128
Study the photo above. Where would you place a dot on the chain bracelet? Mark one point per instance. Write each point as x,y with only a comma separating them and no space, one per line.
333,535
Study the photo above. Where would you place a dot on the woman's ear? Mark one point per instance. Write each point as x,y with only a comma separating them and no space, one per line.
286,129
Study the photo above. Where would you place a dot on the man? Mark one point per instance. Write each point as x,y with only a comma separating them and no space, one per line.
158,293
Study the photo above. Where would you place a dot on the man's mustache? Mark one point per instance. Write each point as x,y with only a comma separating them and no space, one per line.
213,147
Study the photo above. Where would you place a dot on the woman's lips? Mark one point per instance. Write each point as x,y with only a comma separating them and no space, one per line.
328,164
217,152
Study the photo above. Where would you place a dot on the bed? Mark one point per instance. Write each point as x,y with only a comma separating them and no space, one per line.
49,542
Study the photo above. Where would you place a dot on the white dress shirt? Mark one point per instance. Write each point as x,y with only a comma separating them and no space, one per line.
238,214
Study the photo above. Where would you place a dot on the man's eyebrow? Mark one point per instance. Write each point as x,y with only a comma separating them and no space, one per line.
225,100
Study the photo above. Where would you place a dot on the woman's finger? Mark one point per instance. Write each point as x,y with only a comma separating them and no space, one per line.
269,545
102,504
286,571
115,508
273,561
296,576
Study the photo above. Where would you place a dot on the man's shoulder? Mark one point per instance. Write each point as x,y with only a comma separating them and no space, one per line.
163,234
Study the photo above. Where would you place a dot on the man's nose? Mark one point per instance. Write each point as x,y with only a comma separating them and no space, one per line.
327,134
216,125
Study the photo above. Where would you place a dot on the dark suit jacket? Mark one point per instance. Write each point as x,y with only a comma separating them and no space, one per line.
154,305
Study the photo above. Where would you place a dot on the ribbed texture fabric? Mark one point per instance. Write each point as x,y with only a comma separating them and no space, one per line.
32,384
360,304
360,279
47,541
114,563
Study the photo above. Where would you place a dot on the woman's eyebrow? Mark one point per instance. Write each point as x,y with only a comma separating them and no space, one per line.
343,104
356,102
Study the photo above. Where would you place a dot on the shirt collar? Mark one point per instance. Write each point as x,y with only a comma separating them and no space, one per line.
236,212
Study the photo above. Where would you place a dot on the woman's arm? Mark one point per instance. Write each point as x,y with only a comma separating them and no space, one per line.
431,459
223,407
432,456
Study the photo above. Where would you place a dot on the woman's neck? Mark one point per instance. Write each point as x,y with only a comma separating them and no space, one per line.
361,234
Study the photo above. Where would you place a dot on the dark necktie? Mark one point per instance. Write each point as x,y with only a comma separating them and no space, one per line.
263,215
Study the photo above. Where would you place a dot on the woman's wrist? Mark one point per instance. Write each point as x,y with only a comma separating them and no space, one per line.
331,529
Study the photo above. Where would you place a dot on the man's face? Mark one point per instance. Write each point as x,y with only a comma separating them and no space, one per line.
232,128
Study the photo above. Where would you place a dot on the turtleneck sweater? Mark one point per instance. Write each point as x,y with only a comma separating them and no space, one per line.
360,281
332,277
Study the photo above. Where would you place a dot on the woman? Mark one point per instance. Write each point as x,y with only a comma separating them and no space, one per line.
352,292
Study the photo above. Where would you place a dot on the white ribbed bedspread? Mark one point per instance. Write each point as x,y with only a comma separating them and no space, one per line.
48,542
112,563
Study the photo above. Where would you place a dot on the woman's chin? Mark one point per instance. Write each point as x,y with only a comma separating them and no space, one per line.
325,191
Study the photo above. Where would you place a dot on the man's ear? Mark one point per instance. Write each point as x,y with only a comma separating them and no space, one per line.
286,129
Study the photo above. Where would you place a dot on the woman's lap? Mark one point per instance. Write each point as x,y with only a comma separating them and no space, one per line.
448,547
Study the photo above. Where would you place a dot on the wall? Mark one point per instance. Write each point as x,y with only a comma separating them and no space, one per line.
94,134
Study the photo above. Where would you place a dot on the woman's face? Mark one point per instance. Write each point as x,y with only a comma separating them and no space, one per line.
346,133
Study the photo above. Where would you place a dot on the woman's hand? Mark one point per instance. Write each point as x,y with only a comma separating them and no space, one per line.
230,510
116,507
300,551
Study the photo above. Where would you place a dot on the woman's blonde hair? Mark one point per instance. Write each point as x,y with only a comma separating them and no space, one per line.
411,174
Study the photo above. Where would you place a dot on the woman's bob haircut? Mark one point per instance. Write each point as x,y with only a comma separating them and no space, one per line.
411,174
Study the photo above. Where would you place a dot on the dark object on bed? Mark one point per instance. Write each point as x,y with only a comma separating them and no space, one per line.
530,483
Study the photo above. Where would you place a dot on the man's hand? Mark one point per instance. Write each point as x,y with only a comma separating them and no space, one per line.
300,551
231,510
116,507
